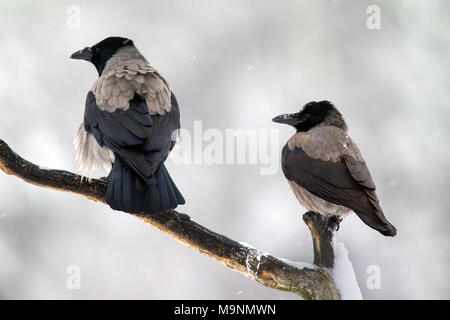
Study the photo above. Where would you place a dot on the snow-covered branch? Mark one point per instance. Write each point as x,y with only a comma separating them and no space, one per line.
310,282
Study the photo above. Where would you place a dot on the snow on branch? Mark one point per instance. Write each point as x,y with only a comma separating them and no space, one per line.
314,282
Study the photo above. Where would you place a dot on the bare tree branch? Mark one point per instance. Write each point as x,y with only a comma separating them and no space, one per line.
309,283
322,236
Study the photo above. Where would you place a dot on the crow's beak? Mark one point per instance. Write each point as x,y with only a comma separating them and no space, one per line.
84,54
291,119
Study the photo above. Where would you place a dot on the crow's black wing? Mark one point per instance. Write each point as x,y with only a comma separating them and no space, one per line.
140,140
346,182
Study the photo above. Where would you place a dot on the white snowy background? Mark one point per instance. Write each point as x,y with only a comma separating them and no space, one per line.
232,64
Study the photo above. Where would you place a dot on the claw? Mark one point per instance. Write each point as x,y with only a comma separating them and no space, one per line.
333,223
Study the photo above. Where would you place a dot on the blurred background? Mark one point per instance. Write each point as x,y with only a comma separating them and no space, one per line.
231,64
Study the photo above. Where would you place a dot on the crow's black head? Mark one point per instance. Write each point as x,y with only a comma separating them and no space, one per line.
100,53
314,113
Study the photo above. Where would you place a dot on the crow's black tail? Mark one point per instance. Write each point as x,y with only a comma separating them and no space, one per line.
128,192
373,221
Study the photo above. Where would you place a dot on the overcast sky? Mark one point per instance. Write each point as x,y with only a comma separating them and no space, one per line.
232,65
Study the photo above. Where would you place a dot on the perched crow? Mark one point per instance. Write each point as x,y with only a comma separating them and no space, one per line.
130,122
326,170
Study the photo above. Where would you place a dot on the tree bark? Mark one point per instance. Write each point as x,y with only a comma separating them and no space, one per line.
310,283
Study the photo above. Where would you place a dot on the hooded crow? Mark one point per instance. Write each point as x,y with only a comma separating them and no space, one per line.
326,170
130,122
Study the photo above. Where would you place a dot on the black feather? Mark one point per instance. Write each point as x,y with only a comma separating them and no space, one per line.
346,182
139,182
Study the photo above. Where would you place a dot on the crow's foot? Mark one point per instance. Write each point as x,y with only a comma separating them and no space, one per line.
333,223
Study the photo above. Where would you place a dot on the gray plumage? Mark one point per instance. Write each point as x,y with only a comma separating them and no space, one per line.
128,73
89,155
313,203
326,170
130,121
